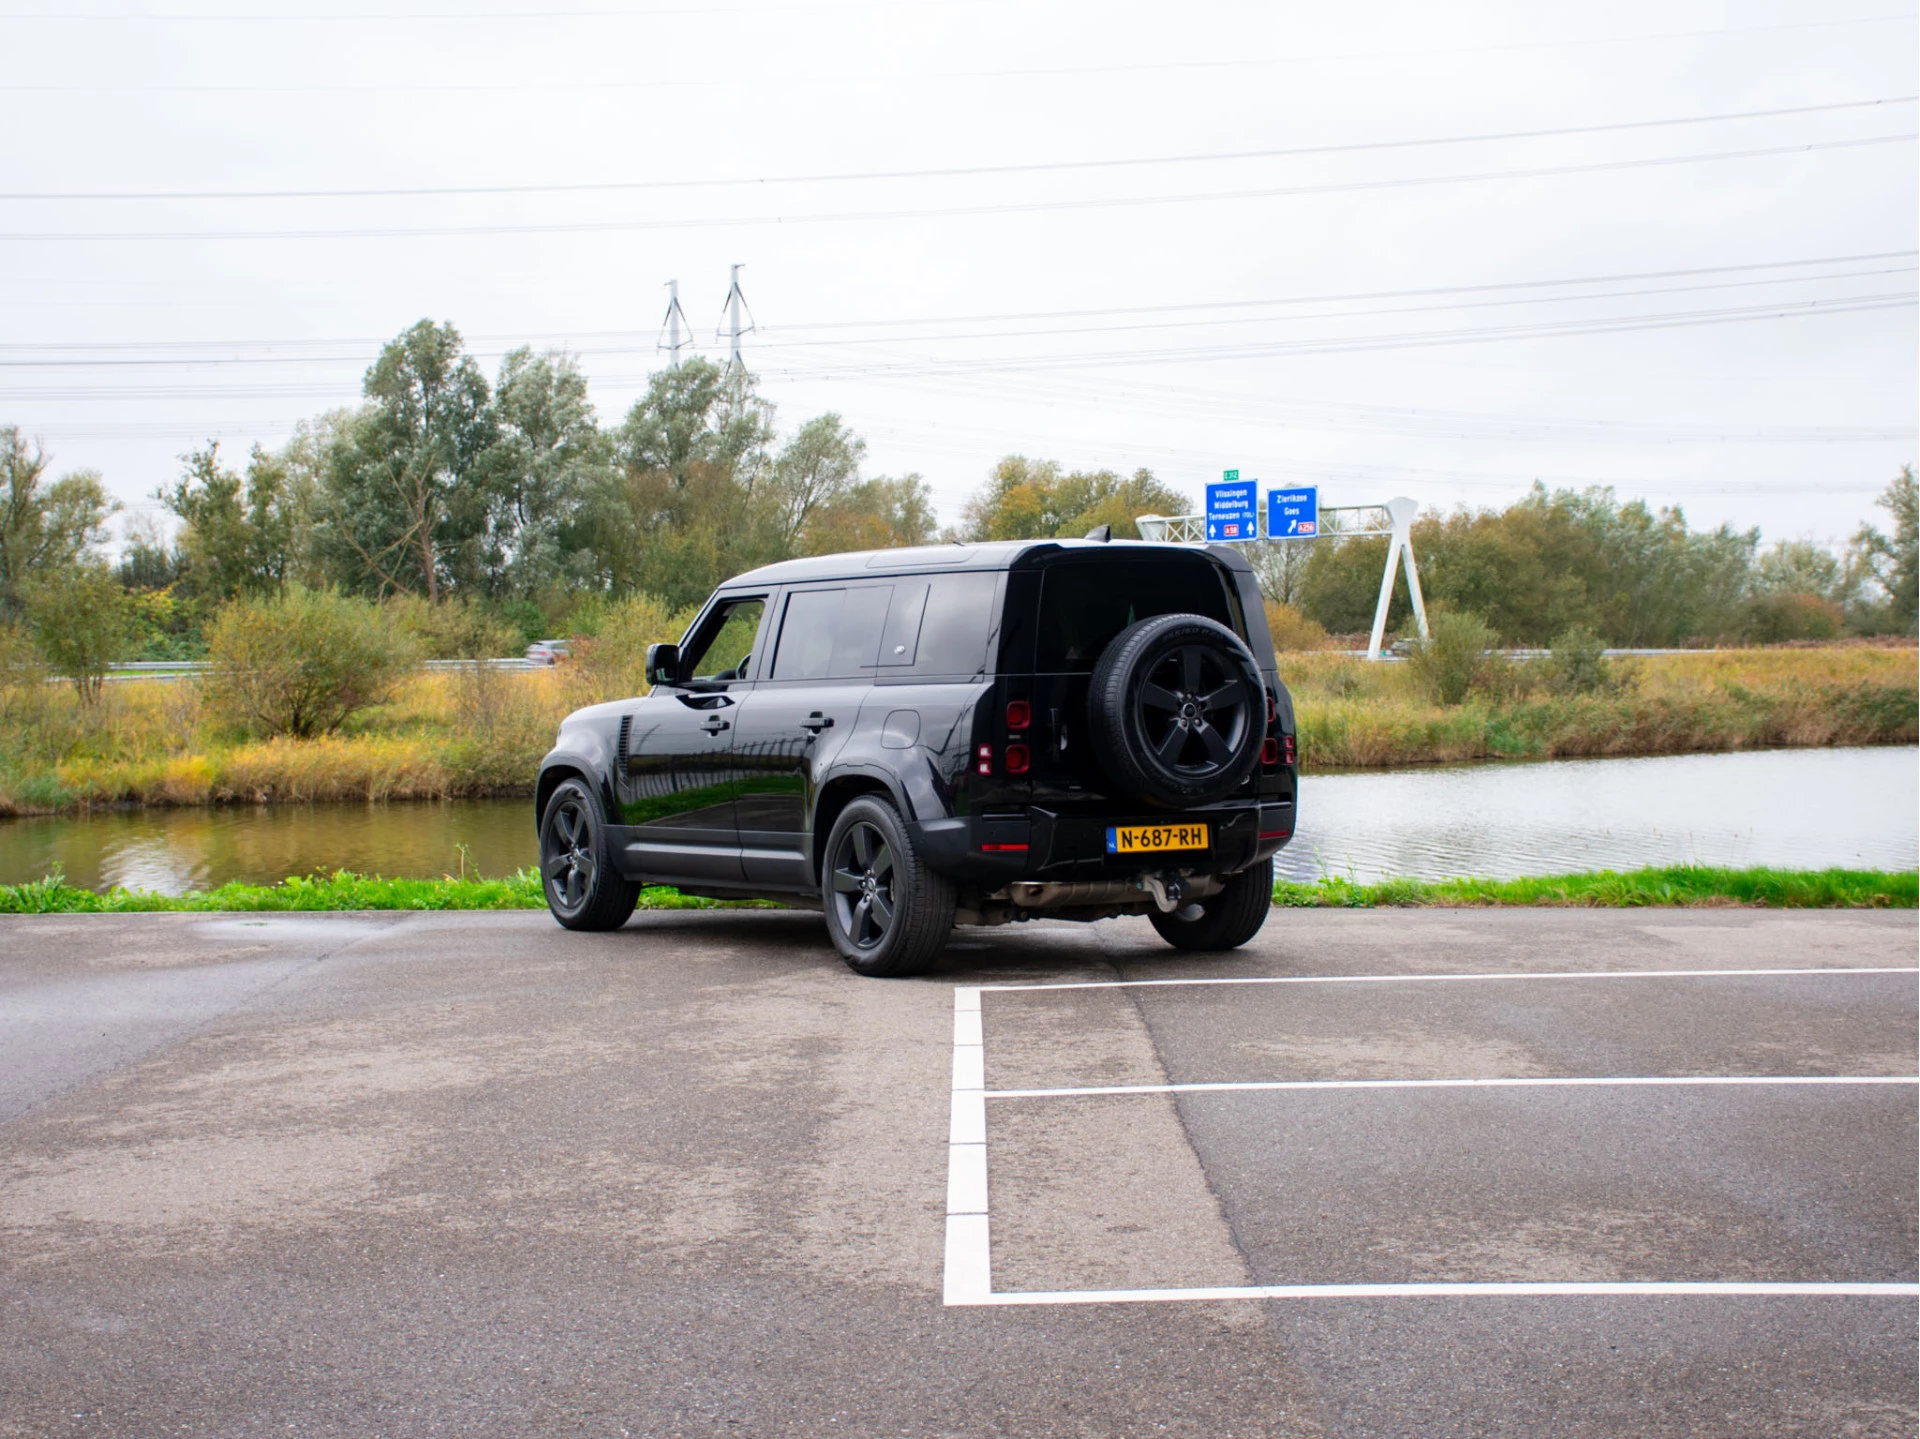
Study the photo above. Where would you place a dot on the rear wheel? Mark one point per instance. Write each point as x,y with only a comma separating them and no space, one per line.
1226,920
887,913
583,888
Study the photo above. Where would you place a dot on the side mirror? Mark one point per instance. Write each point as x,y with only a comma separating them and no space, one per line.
663,664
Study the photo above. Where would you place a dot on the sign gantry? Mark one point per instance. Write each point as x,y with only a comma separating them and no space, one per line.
1232,517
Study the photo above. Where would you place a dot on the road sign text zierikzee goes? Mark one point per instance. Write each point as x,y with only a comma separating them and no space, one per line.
1293,514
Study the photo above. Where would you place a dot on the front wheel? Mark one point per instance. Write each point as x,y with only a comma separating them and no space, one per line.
887,913
583,888
1226,920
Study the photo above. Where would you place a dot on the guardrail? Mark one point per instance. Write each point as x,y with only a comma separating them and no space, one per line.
169,670
1400,654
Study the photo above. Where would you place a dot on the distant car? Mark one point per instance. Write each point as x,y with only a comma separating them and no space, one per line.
546,652
917,738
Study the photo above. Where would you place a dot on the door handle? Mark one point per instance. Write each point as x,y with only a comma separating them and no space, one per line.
816,722
715,724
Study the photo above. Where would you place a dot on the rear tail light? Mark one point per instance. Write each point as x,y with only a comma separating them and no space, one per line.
1019,758
1270,752
1288,753
984,759
1019,714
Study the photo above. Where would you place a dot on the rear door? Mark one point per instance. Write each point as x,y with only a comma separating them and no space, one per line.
824,645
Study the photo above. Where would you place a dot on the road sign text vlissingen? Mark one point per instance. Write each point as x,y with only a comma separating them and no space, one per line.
1230,508
1293,514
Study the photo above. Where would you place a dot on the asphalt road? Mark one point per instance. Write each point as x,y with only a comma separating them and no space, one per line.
470,1174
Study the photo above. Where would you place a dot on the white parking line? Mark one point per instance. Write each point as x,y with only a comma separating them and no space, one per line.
969,1253
1520,1083
1444,1291
1510,974
968,1269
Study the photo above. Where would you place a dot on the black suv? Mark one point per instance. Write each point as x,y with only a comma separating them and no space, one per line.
967,734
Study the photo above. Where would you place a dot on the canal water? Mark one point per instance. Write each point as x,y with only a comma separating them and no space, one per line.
1806,808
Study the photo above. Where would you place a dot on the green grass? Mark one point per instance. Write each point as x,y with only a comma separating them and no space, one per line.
339,891
1681,886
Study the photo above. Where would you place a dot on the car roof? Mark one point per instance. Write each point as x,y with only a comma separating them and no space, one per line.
941,559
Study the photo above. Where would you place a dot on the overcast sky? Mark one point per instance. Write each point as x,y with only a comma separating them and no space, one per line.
1671,294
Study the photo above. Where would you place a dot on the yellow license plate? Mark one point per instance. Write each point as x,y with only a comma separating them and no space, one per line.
1143,838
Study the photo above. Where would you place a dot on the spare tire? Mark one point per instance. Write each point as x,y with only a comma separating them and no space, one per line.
1176,710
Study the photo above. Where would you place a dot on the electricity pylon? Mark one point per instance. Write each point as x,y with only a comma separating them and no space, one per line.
734,304
672,327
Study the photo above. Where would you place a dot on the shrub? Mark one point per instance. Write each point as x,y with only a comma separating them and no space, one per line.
615,660
1578,664
83,623
453,629
1292,630
301,663
1775,618
23,679
1454,658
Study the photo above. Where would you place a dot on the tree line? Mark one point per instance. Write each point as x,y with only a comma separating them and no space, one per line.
1560,561
479,514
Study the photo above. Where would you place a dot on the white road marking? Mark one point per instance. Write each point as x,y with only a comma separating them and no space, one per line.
1520,1290
969,1250
968,1279
1456,978
1524,1083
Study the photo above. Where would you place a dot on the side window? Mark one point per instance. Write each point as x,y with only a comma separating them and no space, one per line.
900,640
957,624
830,634
805,648
723,648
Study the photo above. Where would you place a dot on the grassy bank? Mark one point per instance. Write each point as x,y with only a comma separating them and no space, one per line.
1680,887
465,735
1351,713
1686,886
340,891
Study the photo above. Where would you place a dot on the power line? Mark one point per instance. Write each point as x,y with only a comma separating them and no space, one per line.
1051,391
949,172
1099,359
630,12
943,212
1409,340
1618,277
621,13
359,357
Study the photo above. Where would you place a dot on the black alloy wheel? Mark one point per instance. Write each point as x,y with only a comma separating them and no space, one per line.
1194,710
1176,709
863,885
887,913
583,888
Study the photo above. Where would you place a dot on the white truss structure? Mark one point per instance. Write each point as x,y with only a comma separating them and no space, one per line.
1394,519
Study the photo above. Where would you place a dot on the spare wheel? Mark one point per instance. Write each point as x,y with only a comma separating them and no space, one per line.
1176,710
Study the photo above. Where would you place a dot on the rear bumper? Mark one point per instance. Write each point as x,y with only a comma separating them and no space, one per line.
1040,844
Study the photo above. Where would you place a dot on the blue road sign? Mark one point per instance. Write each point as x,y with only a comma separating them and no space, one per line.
1230,509
1293,514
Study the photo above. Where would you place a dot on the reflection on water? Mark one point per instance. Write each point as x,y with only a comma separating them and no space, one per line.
1794,808
181,849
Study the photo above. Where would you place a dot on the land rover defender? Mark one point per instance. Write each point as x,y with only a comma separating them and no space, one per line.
917,738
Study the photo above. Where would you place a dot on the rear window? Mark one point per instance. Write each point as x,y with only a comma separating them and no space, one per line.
1084,605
